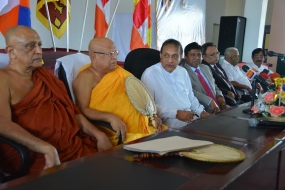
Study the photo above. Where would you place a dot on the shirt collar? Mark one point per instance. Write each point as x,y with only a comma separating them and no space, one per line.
192,68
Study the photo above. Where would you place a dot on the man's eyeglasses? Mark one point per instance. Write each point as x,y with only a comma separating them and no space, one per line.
214,54
111,54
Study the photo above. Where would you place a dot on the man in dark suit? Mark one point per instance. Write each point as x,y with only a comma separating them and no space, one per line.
210,56
202,80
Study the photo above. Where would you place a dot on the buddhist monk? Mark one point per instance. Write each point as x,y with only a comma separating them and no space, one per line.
100,94
36,111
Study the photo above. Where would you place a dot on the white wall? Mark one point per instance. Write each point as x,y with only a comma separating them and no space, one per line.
214,10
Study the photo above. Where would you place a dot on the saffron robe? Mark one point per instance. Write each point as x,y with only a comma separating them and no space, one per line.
110,96
48,113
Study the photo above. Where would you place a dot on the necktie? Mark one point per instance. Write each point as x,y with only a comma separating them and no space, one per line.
206,87
224,78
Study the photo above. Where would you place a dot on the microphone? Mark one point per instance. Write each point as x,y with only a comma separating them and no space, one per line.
264,75
253,122
272,54
263,122
273,76
266,71
253,74
249,73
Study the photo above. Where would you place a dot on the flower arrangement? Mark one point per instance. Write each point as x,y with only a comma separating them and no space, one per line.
272,104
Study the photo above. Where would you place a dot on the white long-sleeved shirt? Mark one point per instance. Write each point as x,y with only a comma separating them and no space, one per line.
171,92
259,69
235,74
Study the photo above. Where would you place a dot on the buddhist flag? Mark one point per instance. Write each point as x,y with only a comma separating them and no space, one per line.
102,17
141,31
13,13
57,11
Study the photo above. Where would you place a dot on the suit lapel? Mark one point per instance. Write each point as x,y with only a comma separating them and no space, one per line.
194,77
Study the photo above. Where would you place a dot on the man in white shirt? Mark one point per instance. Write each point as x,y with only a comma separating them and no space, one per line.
171,88
235,75
257,57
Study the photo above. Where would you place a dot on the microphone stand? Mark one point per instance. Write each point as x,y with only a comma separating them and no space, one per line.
248,111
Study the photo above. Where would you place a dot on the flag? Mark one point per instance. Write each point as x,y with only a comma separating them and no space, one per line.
141,31
13,13
102,16
57,11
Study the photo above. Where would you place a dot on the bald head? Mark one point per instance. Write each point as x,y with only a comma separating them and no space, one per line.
103,54
100,44
17,34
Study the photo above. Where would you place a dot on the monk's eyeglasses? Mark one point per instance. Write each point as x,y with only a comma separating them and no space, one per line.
111,54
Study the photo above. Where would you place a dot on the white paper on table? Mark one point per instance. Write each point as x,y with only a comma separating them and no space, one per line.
168,144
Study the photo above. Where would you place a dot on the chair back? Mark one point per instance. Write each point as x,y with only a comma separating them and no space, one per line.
139,59
67,67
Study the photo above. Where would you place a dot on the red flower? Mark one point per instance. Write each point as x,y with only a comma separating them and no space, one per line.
255,109
269,97
276,111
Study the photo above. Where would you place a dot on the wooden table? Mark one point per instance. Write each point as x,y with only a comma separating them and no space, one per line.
262,168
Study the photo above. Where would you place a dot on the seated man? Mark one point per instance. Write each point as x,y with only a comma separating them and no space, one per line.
100,93
235,75
36,111
171,87
257,57
210,56
202,80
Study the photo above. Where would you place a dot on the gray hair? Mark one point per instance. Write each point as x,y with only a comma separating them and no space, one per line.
228,51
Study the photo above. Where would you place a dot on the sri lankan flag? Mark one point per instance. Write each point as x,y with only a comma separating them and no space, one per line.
57,11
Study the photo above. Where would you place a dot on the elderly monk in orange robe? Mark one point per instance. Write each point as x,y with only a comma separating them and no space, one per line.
36,111
100,94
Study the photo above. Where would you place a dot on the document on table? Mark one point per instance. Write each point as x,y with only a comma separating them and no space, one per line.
167,144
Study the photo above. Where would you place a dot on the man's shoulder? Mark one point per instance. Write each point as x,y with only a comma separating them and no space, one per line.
203,66
153,68
84,77
4,74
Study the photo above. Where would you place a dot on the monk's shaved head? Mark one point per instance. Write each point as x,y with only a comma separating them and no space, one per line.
99,44
17,34
103,55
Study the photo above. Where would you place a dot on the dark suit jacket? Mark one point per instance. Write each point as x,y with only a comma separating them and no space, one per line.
222,85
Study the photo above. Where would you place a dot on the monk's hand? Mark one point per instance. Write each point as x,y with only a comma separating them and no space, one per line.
119,126
51,157
185,116
103,142
157,122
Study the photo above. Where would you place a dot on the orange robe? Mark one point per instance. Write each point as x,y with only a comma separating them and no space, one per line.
110,96
48,113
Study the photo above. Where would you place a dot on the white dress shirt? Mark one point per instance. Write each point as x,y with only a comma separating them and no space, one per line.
235,74
259,69
171,92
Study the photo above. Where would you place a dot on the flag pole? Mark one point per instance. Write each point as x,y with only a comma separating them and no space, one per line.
83,25
67,26
112,18
50,27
